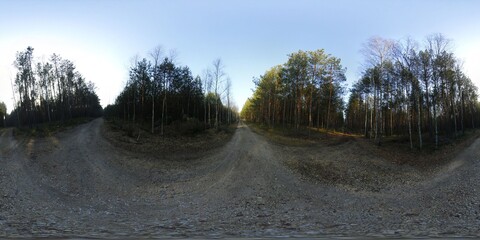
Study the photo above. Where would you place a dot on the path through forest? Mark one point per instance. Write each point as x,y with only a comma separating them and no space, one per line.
76,184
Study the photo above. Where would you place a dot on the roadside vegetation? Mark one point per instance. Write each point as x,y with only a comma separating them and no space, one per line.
48,129
351,161
407,118
161,98
164,108
173,145
408,93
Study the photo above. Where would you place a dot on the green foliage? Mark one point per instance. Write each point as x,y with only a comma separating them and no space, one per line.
305,91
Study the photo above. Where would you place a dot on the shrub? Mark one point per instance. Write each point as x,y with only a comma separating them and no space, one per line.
190,126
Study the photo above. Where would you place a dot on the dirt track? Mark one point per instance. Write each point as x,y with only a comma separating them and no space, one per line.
76,184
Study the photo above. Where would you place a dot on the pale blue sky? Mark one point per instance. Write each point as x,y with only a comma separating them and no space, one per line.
101,36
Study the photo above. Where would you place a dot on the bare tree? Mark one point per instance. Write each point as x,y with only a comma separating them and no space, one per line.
173,55
207,86
133,63
406,56
377,52
218,74
155,54
228,92
436,45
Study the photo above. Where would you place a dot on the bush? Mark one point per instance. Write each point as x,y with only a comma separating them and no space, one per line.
129,129
190,126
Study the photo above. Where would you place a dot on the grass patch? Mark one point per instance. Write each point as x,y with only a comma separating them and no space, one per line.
302,136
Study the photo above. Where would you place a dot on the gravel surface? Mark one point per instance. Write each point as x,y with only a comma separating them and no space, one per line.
76,184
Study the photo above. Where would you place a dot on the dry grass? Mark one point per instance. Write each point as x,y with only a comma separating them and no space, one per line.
141,141
357,163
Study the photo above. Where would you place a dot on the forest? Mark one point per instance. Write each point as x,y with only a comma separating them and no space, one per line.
48,91
406,89
160,93
306,91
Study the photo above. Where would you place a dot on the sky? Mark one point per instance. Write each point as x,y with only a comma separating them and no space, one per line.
249,36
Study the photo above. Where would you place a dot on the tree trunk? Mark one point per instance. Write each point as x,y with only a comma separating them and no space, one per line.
274,109
310,121
435,122
366,116
216,114
269,111
391,116
284,111
205,111
134,108
371,120
377,119
164,102
318,115
409,118
462,114
454,112
329,103
153,114
429,114
48,105
419,120
473,114
209,114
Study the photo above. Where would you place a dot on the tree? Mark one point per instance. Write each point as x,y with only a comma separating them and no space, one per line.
3,113
44,75
408,63
437,45
52,91
167,71
335,76
181,97
207,77
25,83
377,52
309,82
228,93
156,79
420,89
217,75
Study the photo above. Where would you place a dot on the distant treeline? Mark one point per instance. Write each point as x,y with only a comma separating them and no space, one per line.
159,93
50,91
405,90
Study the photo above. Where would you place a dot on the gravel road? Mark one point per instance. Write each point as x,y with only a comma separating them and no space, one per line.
77,184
